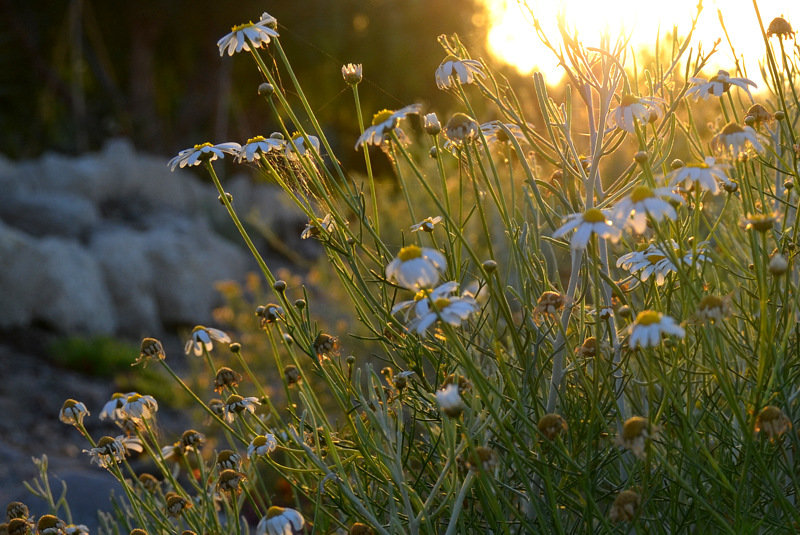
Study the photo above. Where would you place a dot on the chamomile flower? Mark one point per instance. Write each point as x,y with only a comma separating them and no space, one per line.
150,349
552,425
281,521
712,308
262,445
453,69
717,85
632,109
646,331
243,36
651,261
416,267
384,122
260,145
633,209
138,407
202,340
110,450
772,422
635,433
442,304
735,139
625,506
202,153
236,404
112,410
498,132
427,224
707,175
549,304
50,525
352,73
298,146
449,400
460,129
592,221
73,412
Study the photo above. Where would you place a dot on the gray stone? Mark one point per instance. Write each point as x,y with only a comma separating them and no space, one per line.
49,213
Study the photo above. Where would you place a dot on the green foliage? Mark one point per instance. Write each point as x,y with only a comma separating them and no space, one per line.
100,356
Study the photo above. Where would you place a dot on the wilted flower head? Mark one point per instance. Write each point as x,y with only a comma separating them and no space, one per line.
632,109
191,438
760,222
646,331
482,459
635,432
416,267
352,73
625,506
498,132
176,504
243,36
707,175
552,425
202,340
772,422
462,71
427,224
325,344
73,412
712,308
269,313
262,445
204,152
717,85
461,128
76,529
110,450
316,228
384,122
592,221
17,510
137,407
151,349
236,404
549,304
112,410
758,114
50,525
228,459
18,526
257,146
230,481
149,482
780,27
226,378
735,139
449,400
281,521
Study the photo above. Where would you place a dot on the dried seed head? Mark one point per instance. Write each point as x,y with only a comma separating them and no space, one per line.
228,460
291,374
325,344
229,481
780,27
226,378
19,526
176,504
588,348
151,349
191,438
552,425
549,304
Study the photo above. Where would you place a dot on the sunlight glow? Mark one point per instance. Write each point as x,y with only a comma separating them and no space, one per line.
512,38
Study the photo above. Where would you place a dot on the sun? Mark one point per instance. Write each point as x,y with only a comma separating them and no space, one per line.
512,40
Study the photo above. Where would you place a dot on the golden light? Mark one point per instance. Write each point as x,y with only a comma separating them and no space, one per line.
512,38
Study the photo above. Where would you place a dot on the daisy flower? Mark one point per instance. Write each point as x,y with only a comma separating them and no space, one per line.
352,73
426,224
461,128
176,504
243,36
712,308
137,407
734,139
625,506
262,445
635,433
110,450
549,304
651,261
202,340
73,412
449,400
50,525
259,145
717,85
772,422
646,331
384,122
643,201
202,153
442,304
497,132
236,404
632,109
453,69
281,521
707,175
318,227
416,267
112,410
592,221
297,146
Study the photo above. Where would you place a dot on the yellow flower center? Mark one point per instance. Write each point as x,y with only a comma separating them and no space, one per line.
274,511
422,294
381,116
594,215
628,100
134,398
732,128
655,258
70,403
648,317
710,302
409,252
118,395
203,145
259,441
255,139
634,427
641,193
703,165
105,441
441,303
241,26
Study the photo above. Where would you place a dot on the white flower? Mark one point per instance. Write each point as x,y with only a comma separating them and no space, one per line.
203,152
463,70
137,407
202,340
236,404
442,304
112,410
717,85
256,146
646,331
633,210
262,445
632,109
281,521
497,132
111,450
734,138
316,227
73,412
426,224
76,529
591,221
635,433
243,36
706,175
416,267
384,122
651,261
352,73
431,124
300,148
449,400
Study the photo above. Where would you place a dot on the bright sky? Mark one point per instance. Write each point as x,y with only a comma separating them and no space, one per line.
512,39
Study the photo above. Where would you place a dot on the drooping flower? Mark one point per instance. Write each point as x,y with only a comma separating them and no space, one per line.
635,433
632,210
442,304
202,153
592,221
760,222
112,410
384,122
449,400
427,224
228,460
632,109
497,132
780,27
717,85
281,521
150,349
236,404
298,146
646,331
772,422
73,412
262,445
416,267
461,129
50,525
317,228
138,407
257,146
202,340
453,69
176,504
735,139
712,308
551,426
230,481
707,175
110,450
625,506
549,304
243,36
